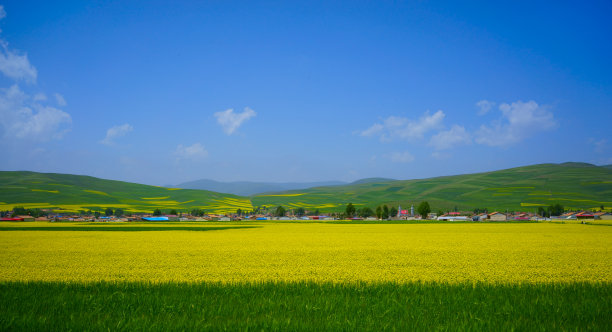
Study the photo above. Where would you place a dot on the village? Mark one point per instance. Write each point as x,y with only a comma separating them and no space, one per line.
20,214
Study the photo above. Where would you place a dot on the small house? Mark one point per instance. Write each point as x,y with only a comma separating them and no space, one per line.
584,215
497,216
568,215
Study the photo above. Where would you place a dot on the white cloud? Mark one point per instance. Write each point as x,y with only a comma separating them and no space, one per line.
16,66
395,127
520,121
440,155
484,106
12,64
60,100
401,157
375,129
457,135
599,145
23,117
230,121
116,132
40,97
195,151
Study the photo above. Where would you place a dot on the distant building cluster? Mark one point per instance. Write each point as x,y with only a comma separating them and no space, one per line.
401,215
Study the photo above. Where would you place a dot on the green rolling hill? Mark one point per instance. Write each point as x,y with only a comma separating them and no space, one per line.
574,185
71,193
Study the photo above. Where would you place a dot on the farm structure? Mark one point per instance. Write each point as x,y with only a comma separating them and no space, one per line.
498,216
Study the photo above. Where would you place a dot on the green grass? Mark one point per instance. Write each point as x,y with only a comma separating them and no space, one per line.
136,306
574,185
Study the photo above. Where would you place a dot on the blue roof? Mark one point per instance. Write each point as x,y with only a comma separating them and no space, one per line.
155,218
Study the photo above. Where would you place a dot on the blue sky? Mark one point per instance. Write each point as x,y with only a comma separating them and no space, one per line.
166,92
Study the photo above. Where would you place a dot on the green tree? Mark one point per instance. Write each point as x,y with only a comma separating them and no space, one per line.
280,211
108,212
157,212
97,214
379,212
300,211
440,212
173,211
385,212
393,212
35,213
19,211
119,212
350,210
542,212
424,209
366,212
555,210
239,212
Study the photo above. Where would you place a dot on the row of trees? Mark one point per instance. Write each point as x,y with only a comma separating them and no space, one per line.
382,211
552,210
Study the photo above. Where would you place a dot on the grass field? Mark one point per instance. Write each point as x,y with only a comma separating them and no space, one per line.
305,276
304,306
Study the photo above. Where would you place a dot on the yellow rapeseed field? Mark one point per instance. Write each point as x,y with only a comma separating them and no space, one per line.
506,253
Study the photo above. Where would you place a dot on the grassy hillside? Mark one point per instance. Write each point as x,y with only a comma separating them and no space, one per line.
247,188
574,185
76,192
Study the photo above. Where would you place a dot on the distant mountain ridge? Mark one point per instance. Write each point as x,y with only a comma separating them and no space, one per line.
248,188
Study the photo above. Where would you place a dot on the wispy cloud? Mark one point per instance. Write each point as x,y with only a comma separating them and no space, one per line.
23,117
484,106
40,97
395,127
599,145
231,121
195,151
60,100
520,120
116,132
401,157
457,135
440,155
12,64
16,66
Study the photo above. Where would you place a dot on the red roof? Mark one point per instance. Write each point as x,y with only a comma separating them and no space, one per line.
11,219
